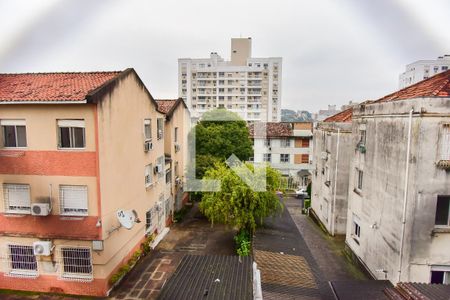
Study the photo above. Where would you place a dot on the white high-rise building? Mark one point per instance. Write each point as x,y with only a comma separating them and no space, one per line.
423,69
248,86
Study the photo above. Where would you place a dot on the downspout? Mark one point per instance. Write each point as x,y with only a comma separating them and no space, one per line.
333,226
405,196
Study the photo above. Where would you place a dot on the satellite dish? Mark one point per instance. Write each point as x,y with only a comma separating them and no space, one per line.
127,218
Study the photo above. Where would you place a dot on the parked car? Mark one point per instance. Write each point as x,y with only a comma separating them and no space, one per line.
301,193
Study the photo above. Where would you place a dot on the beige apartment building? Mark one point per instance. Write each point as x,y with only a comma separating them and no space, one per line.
79,151
249,86
398,222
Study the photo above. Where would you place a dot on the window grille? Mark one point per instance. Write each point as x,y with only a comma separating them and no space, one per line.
75,263
17,198
73,199
149,220
21,262
148,177
445,143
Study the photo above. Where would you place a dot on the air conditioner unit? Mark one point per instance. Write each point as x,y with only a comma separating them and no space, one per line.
42,248
148,145
324,155
158,168
40,209
178,181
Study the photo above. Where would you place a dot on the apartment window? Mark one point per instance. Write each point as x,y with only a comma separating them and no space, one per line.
356,230
73,200
267,142
285,143
22,261
359,179
160,127
440,275
148,220
76,263
305,158
284,158
175,135
267,157
443,211
14,133
445,143
71,134
167,209
17,198
304,143
147,129
148,175
444,68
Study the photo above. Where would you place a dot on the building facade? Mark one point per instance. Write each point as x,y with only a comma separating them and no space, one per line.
78,151
399,193
333,150
246,85
423,69
287,147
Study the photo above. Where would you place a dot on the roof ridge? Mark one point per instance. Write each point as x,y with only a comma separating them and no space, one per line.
62,72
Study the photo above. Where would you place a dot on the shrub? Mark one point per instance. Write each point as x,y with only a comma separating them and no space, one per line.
243,243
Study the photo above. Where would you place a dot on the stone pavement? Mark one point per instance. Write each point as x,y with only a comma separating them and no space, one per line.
194,235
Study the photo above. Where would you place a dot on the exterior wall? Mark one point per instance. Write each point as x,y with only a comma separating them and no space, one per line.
378,206
330,189
122,164
180,119
241,50
251,88
423,69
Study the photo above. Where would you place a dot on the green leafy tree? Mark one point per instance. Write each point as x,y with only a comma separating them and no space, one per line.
236,204
219,134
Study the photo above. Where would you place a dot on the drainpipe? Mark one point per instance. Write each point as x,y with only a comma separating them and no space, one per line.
333,226
405,196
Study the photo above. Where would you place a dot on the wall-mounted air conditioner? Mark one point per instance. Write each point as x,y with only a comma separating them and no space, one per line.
148,145
40,209
42,248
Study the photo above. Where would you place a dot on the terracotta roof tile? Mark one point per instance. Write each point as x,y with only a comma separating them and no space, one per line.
436,86
273,130
343,116
43,87
165,105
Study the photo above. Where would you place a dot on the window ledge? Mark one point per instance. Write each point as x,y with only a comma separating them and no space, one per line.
357,191
440,230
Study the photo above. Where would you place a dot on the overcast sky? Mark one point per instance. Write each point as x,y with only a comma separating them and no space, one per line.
333,51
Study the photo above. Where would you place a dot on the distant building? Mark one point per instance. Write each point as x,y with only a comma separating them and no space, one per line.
76,150
399,187
333,149
325,113
287,147
423,69
246,85
349,105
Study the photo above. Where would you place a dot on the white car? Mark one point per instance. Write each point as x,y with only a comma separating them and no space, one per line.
301,192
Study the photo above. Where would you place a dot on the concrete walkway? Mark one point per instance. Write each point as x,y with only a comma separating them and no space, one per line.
194,235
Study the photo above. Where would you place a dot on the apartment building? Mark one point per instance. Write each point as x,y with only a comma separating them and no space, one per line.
249,86
177,126
333,149
423,69
78,151
399,192
287,147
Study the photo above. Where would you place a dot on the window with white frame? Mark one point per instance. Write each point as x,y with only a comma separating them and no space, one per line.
147,129
17,198
440,275
267,157
362,136
21,261
160,128
14,133
73,200
149,220
76,263
284,158
356,229
267,143
71,134
442,211
445,143
148,175
160,162
285,143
